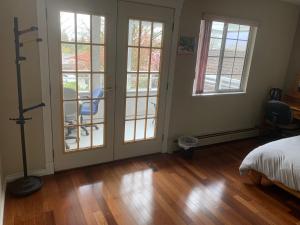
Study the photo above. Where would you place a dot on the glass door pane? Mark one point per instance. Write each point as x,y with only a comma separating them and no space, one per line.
83,80
143,78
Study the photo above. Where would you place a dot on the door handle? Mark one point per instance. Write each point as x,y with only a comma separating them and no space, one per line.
108,89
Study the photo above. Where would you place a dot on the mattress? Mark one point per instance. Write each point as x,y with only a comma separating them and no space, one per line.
278,160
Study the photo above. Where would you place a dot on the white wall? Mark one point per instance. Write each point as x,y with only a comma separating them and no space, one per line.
189,115
294,66
9,132
210,114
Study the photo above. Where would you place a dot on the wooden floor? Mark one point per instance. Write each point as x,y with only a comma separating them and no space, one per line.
159,189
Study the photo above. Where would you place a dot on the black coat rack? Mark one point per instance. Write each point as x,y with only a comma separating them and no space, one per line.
27,184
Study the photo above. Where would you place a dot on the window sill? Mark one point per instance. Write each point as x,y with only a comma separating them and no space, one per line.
220,93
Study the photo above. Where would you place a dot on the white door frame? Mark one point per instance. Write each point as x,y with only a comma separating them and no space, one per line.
45,75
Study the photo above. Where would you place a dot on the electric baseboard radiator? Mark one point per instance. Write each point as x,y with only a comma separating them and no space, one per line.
226,136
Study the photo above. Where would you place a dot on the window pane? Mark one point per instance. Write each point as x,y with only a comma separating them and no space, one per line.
235,82
141,107
83,57
140,129
244,32
98,109
131,84
230,47
130,108
150,131
227,66
155,60
98,58
98,84
157,35
83,28
68,57
143,84
224,82
70,135
70,113
132,59
241,49
85,111
69,86
153,84
129,130
210,83
152,106
238,66
233,31
145,33
212,65
144,59
67,26
215,47
98,135
84,85
85,140
133,32
98,29
217,29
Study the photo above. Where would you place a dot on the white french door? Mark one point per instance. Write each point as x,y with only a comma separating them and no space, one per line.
82,55
143,43
108,76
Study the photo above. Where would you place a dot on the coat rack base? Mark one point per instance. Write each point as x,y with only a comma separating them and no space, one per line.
25,186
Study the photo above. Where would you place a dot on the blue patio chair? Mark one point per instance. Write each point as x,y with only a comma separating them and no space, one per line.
87,110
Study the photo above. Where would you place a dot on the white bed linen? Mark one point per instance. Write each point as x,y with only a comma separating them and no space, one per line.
278,160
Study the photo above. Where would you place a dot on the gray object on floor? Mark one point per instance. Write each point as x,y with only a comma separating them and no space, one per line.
280,117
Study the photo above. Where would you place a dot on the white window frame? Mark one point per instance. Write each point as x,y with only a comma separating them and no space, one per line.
248,55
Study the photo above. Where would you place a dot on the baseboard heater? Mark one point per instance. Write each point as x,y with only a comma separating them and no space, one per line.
227,136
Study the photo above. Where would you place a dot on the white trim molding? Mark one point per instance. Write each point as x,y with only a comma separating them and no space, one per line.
226,19
2,201
45,84
177,12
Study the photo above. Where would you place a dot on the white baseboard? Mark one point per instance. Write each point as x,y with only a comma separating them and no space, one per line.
15,176
2,201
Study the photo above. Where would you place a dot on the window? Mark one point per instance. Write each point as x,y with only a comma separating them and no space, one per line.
224,55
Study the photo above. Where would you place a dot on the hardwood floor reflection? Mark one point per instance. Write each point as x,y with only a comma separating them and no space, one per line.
157,189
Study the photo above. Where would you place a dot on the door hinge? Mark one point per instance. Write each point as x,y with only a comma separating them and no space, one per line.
173,27
167,87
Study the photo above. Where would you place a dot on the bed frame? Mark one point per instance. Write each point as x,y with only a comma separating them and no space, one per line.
257,178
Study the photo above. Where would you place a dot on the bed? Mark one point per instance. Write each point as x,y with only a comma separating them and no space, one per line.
278,162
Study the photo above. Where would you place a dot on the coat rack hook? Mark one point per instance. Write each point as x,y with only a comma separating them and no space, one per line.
31,29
